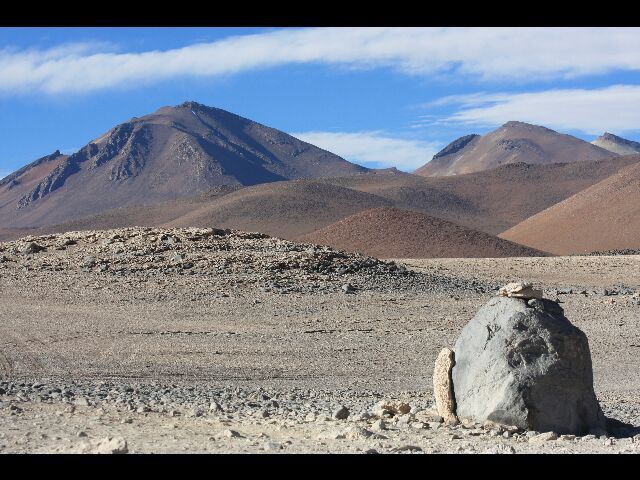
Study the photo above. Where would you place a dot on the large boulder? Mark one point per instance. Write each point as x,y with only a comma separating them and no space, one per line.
521,362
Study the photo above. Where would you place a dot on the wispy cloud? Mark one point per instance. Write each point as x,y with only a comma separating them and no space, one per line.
615,109
481,53
373,148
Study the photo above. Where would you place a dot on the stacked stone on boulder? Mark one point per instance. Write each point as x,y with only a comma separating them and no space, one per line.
520,362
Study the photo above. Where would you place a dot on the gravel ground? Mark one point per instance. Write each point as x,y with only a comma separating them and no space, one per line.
172,340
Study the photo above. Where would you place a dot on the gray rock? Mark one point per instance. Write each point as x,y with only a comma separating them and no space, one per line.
117,445
522,366
341,413
33,247
348,288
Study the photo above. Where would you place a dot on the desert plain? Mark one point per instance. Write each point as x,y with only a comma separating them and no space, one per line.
147,340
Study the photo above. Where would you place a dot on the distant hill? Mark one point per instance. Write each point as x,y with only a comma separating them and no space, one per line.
173,153
490,201
394,233
605,216
616,144
283,209
513,142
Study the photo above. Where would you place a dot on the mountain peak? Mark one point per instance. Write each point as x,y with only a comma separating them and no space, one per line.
190,104
617,144
513,142
177,151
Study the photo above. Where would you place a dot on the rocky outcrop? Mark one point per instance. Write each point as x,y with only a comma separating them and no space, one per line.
523,363
616,144
455,146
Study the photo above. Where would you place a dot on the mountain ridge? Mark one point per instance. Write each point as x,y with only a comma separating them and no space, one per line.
174,152
512,142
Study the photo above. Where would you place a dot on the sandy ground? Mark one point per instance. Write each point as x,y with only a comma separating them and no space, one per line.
78,331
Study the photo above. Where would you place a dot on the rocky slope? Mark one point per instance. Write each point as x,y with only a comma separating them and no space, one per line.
512,142
175,152
616,144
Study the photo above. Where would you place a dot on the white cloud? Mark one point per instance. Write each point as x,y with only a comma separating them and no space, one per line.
614,109
373,148
521,54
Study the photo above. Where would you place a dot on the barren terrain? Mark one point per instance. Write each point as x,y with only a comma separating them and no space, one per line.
199,340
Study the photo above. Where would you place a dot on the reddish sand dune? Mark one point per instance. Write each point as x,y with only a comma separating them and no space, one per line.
394,233
605,216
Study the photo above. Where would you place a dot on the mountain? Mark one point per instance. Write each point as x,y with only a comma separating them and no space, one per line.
513,142
394,233
175,152
605,216
282,209
491,201
616,144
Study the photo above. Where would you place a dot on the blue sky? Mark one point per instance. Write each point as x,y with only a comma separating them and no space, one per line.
379,97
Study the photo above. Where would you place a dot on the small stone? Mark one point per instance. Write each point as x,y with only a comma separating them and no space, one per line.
341,413
362,416
544,437
348,288
358,432
33,247
500,449
391,408
428,416
229,434
81,402
567,438
272,446
88,262
82,434
117,445
379,425
215,407
407,448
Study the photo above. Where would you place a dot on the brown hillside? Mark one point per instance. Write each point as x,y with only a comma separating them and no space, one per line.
513,142
282,209
174,153
605,216
492,200
395,233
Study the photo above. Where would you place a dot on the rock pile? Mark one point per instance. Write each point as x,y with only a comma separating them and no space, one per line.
230,256
520,362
